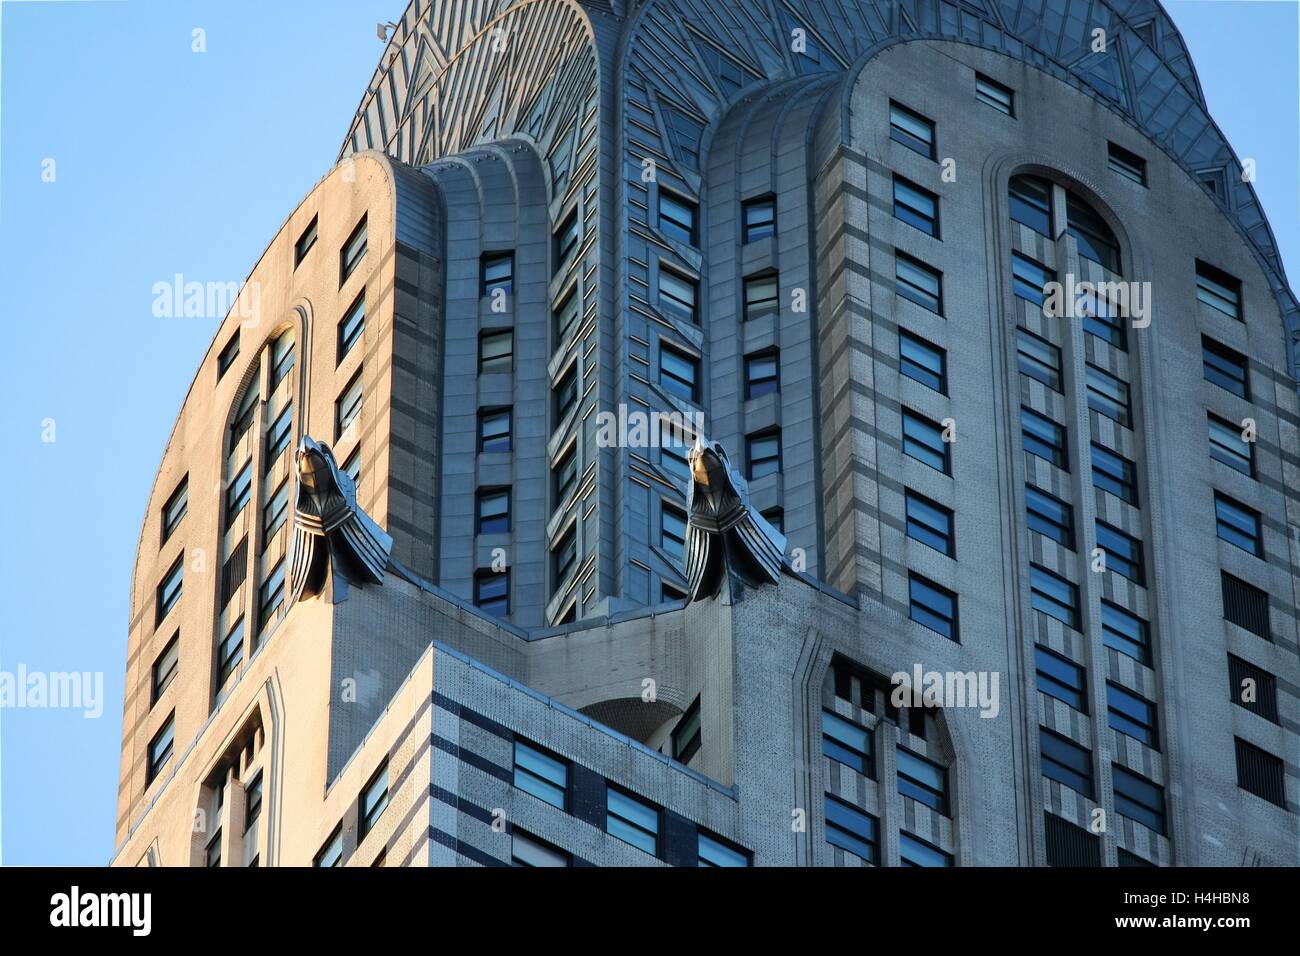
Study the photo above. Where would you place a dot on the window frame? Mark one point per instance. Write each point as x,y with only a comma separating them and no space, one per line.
989,92
947,538
915,580
908,139
906,195
761,466
175,508
349,261
159,685
1233,505
351,327
688,233
925,373
910,289
921,425
496,364
496,413
762,229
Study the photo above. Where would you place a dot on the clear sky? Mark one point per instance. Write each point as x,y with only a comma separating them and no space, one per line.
169,161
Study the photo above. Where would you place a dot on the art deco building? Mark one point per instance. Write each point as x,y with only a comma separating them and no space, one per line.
829,228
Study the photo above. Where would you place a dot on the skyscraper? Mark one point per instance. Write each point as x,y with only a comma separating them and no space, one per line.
989,324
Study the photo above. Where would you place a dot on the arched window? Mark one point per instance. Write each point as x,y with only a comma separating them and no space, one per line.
1095,238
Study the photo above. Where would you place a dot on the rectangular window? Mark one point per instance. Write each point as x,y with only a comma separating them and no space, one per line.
1225,368
762,295
715,852
687,734
994,94
496,351
304,243
1092,234
923,361
494,429
918,283
1260,773
331,854
527,851
566,473
932,606
923,781
1038,358
677,218
275,513
565,555
1054,596
542,774
1139,799
566,239
282,353
679,373
351,326
160,749
1246,606
759,217
1061,678
246,413
1049,516
1218,290
762,373
348,407
1070,845
492,592
916,206
228,355
632,820
1030,278
1125,632
279,436
1238,524
212,853
240,490
253,801
374,798
913,851
352,467
763,453
566,393
1114,474
677,295
1129,165
1123,553
1229,447
353,251
672,532
911,129
234,572
852,830
230,653
496,273
923,440
848,743
566,315
930,523
672,451
493,515
1030,201
1131,715
1108,396
165,668
1101,321
1065,762
271,596
1044,439
175,508
169,591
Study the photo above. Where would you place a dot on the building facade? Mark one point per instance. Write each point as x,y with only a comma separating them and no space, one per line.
979,302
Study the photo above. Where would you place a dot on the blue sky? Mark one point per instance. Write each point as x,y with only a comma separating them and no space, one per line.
171,161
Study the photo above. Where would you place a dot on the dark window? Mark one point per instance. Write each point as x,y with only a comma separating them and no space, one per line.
230,653
672,532
526,850
348,407
923,361
672,451
279,436
923,440
1218,290
212,853
1115,474
1138,799
762,373
1030,199
282,355
228,355
763,454
1100,319
1049,516
566,315
566,239
1095,239
1125,632
496,351
923,780
932,606
1108,396
253,801
916,206
1229,447
679,373
717,852
493,511
304,243
175,508
994,94
668,592
160,749
1260,773
494,429
1225,368
1238,524
169,591
1123,553
930,523
677,218
565,554
848,743
566,473
852,830
1246,606
239,492
1132,715
762,295
331,854
1124,858
496,271
271,596
165,667
1054,596
234,572
678,294
1038,358
246,412
913,851
1253,688
1044,438
776,518
1061,678
492,592
352,467
1070,845
1030,278
1066,762
687,734
566,393
918,283
1129,165
275,513
542,774
374,798
632,820
759,218
911,129
353,251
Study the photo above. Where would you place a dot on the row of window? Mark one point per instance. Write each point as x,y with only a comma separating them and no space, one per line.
850,743
373,801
